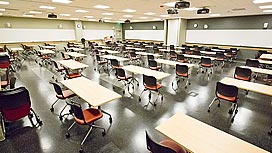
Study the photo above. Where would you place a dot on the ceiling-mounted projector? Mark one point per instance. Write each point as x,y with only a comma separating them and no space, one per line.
172,11
203,11
52,15
127,21
182,4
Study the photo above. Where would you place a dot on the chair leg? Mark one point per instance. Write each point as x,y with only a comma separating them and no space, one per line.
62,115
52,106
235,110
214,99
38,120
87,134
67,135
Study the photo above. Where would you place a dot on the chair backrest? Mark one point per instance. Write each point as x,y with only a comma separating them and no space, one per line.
154,147
77,110
57,89
120,73
15,103
205,60
173,54
65,49
181,69
196,52
219,55
180,57
156,50
242,74
132,54
172,47
55,64
4,61
149,57
98,58
252,63
228,91
152,63
149,80
114,62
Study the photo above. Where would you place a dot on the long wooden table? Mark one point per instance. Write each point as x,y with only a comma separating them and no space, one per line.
172,63
251,86
120,59
266,56
258,70
199,137
72,64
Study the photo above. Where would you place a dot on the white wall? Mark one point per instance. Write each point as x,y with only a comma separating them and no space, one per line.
96,34
157,35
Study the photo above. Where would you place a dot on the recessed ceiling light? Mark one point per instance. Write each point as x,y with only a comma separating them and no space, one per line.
128,16
164,16
62,1
4,2
191,9
28,15
81,11
74,18
261,1
101,6
88,16
267,11
143,17
35,12
65,14
215,14
265,7
107,13
106,18
129,10
170,4
47,7
149,13
2,9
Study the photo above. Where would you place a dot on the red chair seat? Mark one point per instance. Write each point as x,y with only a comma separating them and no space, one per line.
74,75
173,145
206,65
182,61
220,59
182,74
232,99
90,115
153,87
66,94
155,68
115,67
242,78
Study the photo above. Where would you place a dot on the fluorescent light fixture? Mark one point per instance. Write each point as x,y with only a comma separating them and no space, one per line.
88,16
81,11
65,14
215,14
74,18
265,7
2,9
164,16
28,15
35,12
261,1
48,7
106,18
107,13
101,6
267,11
128,16
170,4
191,9
62,1
129,10
4,2
149,13
143,17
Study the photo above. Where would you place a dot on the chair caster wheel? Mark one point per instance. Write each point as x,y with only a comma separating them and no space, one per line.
110,120
113,87
67,135
60,118
40,123
138,84
81,150
185,87
230,111
139,99
209,110
155,105
103,133
232,120
161,98
52,109
218,105
123,92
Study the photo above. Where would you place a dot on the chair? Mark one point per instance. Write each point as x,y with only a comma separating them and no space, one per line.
134,58
150,57
172,47
173,55
16,104
100,63
219,58
252,63
181,58
150,84
58,68
72,75
153,65
4,61
182,71
63,56
121,76
85,117
228,93
8,82
61,95
165,146
114,65
206,64
242,74
45,59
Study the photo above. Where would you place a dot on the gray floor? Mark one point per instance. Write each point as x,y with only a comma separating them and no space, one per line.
130,119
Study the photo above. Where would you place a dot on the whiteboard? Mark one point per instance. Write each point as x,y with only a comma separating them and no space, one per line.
172,32
252,38
157,35
10,35
96,34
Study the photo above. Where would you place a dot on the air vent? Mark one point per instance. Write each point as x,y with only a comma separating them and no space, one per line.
238,9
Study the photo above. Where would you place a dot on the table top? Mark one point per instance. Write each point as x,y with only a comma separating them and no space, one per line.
120,59
16,49
75,54
75,49
251,86
218,50
266,56
46,51
199,137
145,54
141,70
265,62
90,91
258,70
109,51
103,47
173,63
72,64
198,56
48,47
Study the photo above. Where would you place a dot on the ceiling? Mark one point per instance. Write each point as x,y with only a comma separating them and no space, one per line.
19,8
